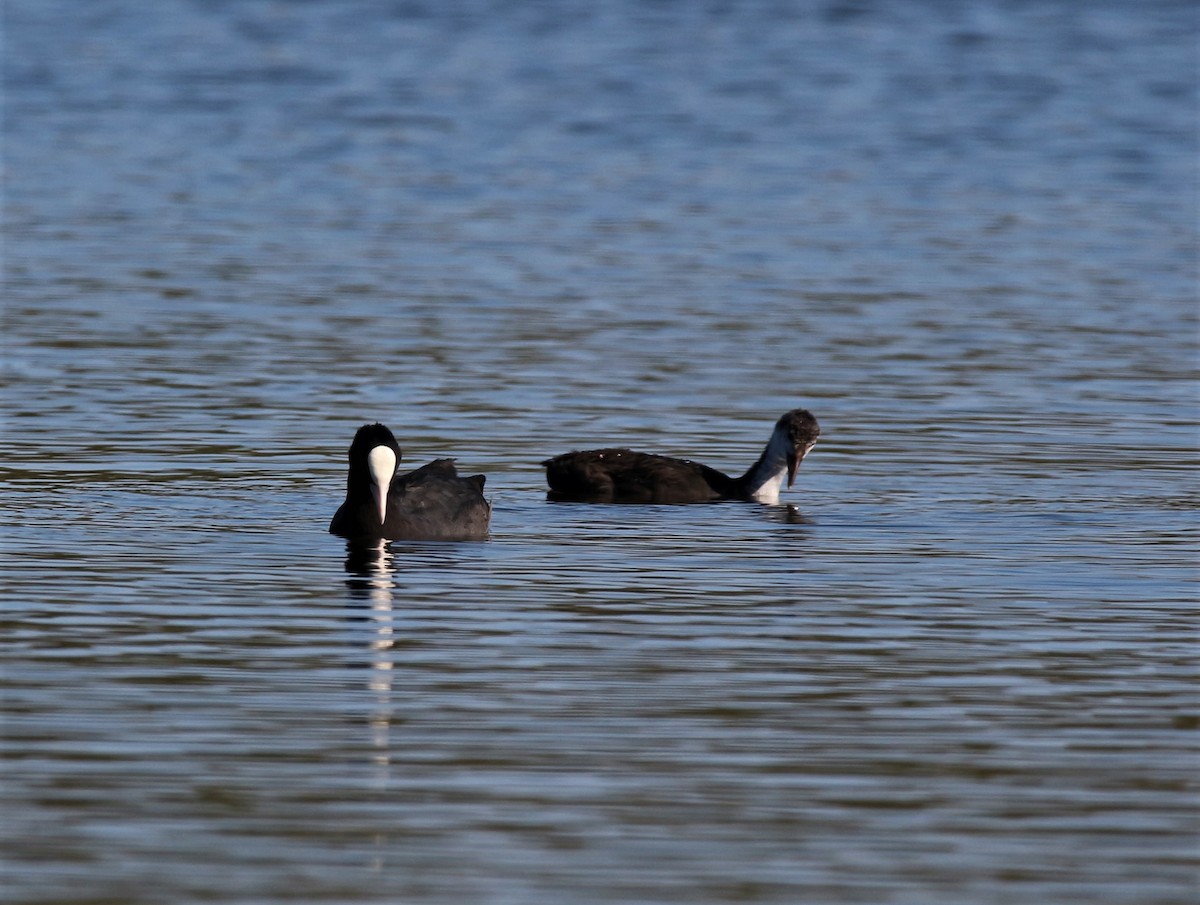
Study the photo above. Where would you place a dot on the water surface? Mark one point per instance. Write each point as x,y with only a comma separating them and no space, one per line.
957,665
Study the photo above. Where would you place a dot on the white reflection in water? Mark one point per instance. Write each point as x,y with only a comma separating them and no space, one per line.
381,650
371,570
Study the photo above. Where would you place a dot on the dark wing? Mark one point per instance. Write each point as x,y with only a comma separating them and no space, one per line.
626,476
434,503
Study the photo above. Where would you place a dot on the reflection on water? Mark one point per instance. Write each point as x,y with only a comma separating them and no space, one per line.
957,664
787,513
370,572
370,581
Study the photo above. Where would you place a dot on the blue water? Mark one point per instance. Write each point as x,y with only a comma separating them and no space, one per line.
957,664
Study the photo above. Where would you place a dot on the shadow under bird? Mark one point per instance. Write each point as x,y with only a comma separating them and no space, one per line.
626,476
430,503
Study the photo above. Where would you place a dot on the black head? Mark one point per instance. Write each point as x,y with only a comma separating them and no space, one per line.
801,430
801,427
374,457
368,437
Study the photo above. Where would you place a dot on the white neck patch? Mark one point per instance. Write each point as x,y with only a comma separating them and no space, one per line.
771,474
768,491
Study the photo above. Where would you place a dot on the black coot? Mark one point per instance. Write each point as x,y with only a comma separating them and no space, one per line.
430,503
625,476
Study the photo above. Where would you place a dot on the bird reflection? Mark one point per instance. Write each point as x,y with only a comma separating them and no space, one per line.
371,572
788,515
370,569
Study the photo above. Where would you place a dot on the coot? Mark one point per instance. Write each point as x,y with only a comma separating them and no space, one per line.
625,476
430,503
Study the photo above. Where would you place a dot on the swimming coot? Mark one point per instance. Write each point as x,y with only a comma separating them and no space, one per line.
431,503
625,476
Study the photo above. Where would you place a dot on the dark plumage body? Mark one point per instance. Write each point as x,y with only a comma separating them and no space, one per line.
627,476
429,503
624,475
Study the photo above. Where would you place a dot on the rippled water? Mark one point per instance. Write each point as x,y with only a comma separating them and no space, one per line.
959,666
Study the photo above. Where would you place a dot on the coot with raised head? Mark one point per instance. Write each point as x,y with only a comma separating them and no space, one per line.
625,476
